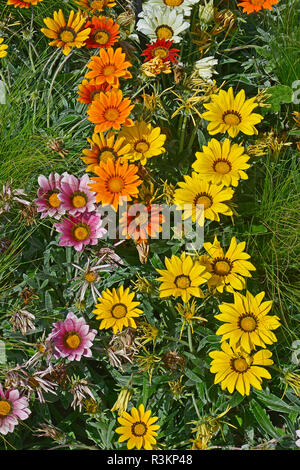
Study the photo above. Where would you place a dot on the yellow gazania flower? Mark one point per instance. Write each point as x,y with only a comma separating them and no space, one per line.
222,163
236,369
138,428
117,309
247,323
182,277
227,269
3,47
104,147
195,194
145,141
231,114
66,34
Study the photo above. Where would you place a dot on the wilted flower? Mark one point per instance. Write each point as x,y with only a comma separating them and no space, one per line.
205,68
80,391
188,312
90,276
37,383
177,389
48,430
156,66
22,320
123,347
122,400
9,195
143,285
146,332
172,360
57,146
206,12
148,363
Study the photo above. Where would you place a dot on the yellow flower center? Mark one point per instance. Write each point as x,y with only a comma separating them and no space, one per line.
109,70
53,200
72,340
222,268
139,429
90,277
248,323
222,166
81,232
182,281
240,365
141,146
5,408
119,311
111,114
79,200
160,52
101,37
67,35
203,199
232,118
115,185
173,3
106,155
141,219
164,32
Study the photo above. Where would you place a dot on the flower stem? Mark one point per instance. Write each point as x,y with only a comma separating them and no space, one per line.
190,338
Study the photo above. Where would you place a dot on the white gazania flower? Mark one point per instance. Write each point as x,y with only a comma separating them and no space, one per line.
161,23
206,12
89,277
180,6
205,67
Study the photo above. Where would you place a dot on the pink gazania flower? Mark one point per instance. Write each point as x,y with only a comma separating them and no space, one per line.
72,338
12,408
75,196
80,231
48,202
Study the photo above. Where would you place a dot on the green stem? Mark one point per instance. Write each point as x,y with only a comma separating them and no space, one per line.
190,338
182,135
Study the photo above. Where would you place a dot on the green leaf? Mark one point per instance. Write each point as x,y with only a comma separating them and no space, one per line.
280,94
191,375
276,404
263,419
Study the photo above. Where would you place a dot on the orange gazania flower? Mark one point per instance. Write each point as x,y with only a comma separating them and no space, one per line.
104,32
109,67
95,6
87,90
140,222
110,110
249,6
23,3
116,181
104,147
